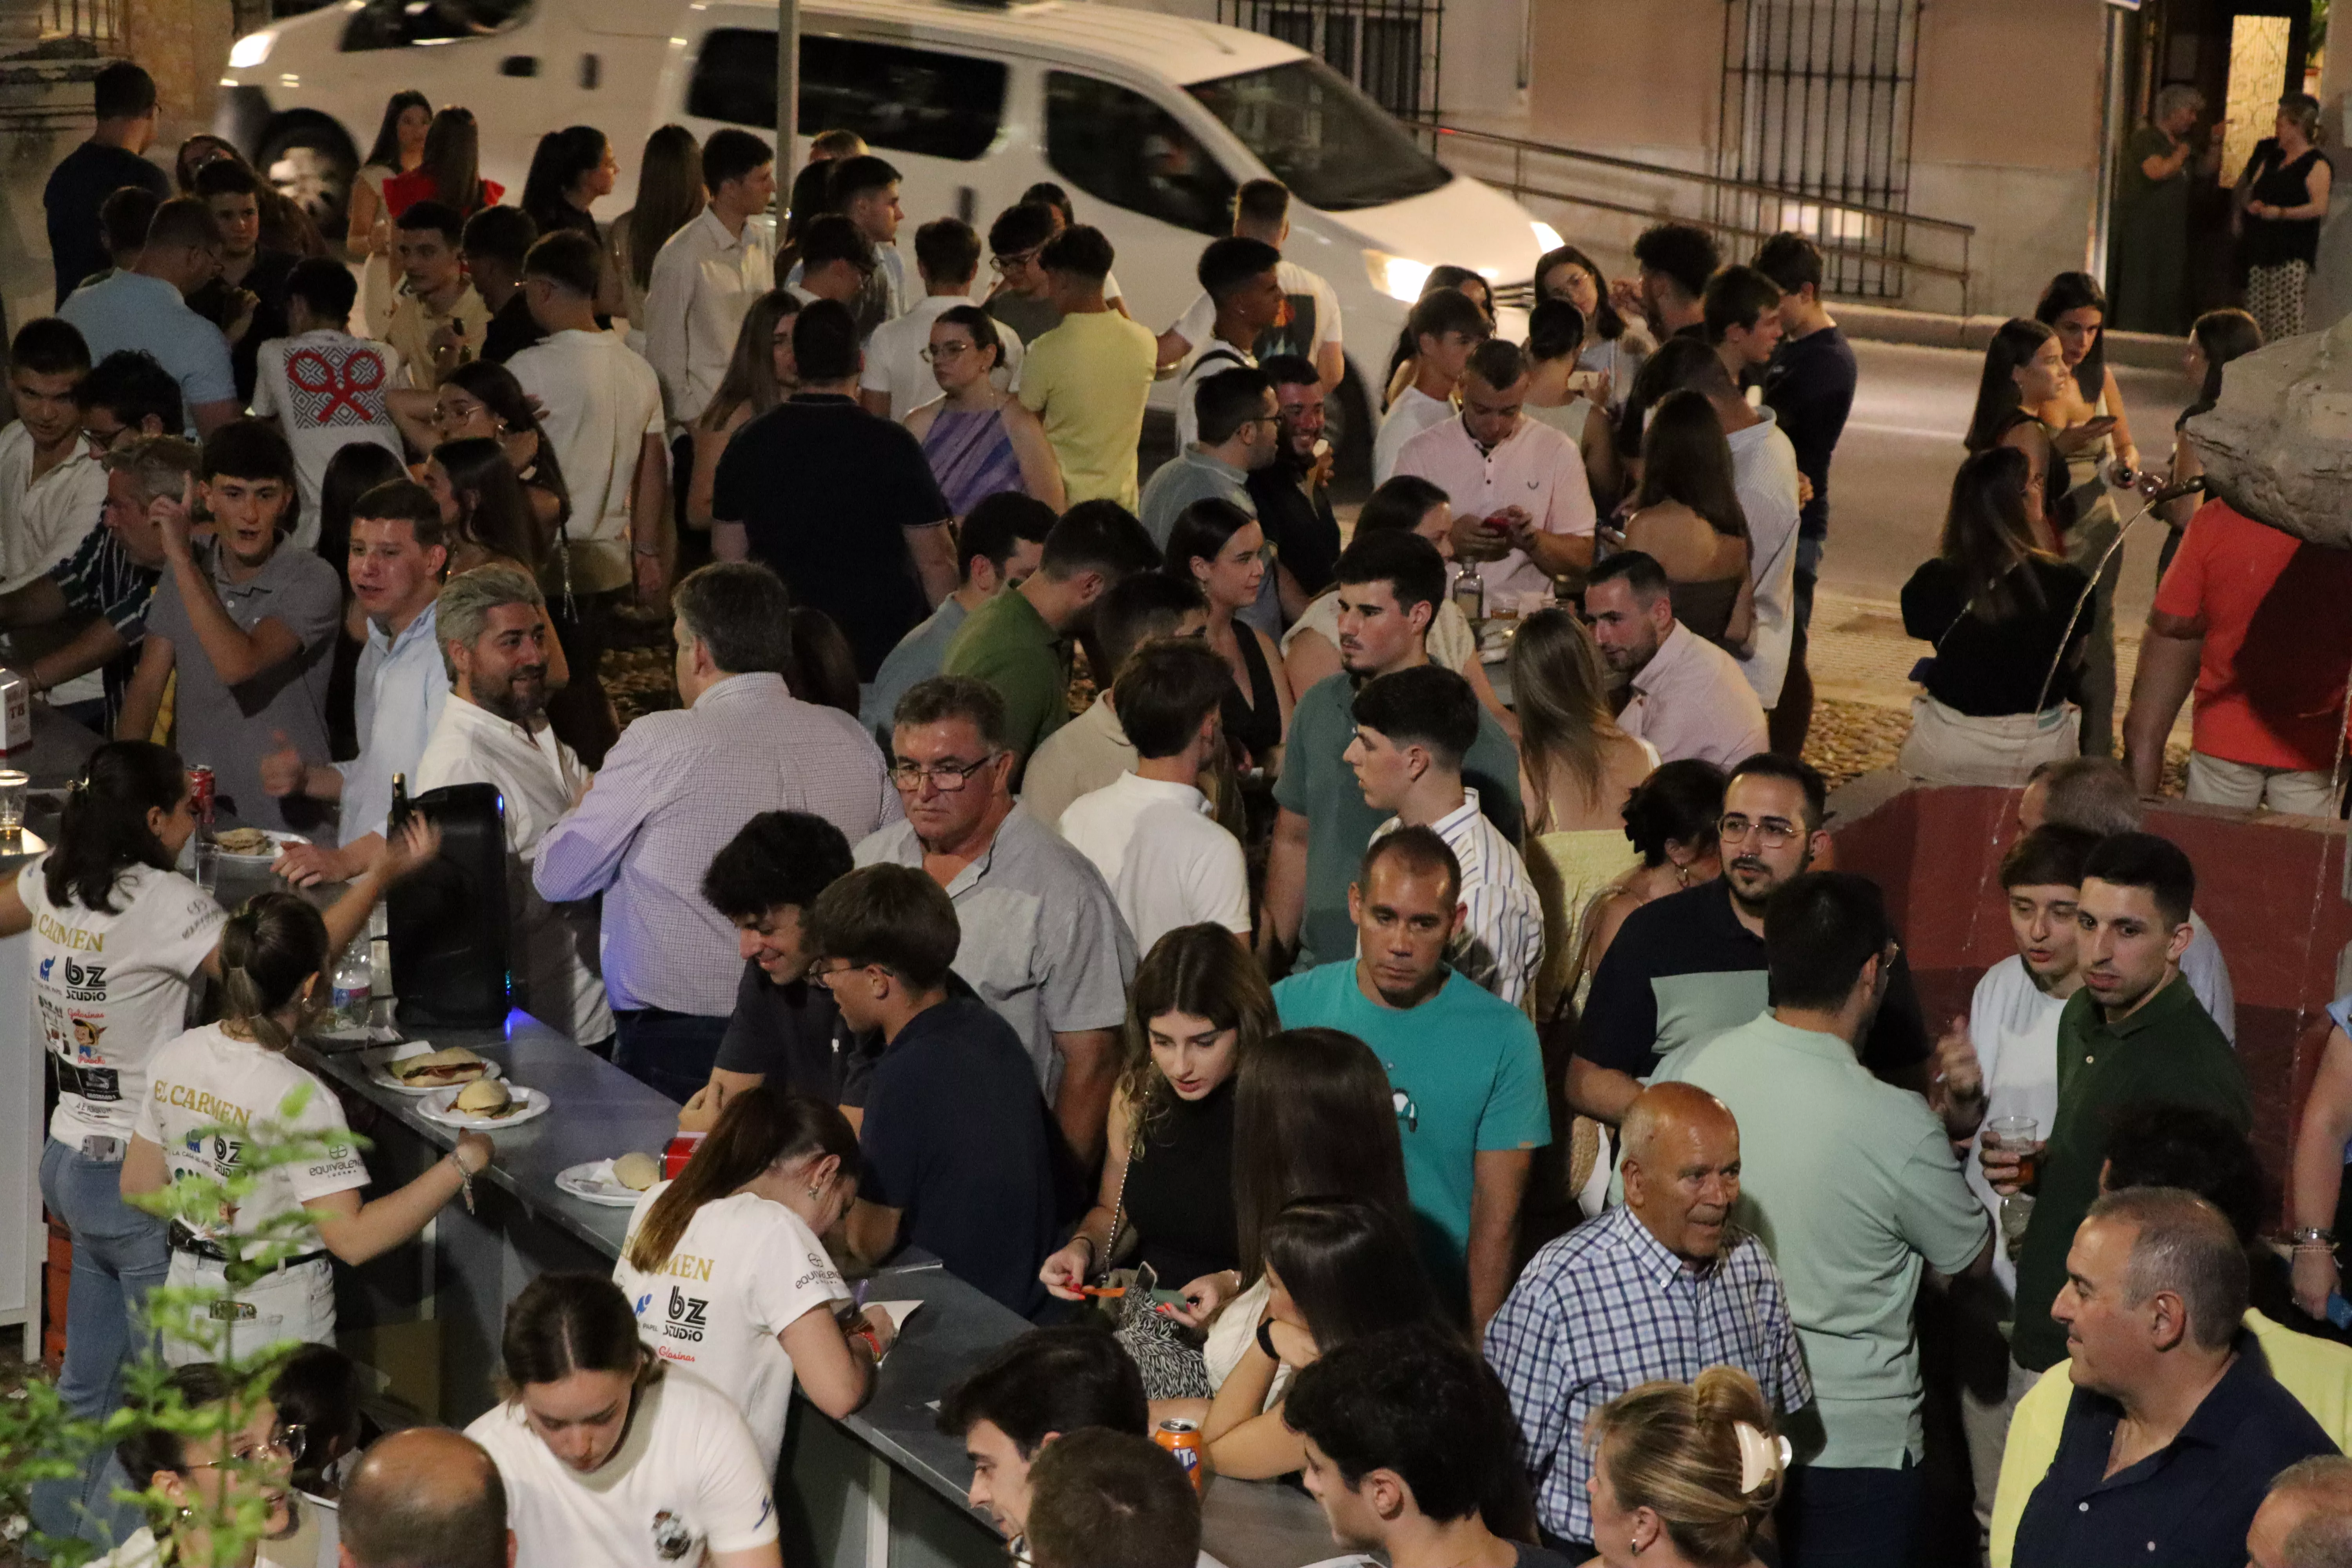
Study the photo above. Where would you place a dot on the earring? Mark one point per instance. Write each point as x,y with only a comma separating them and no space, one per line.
816,1192
1681,874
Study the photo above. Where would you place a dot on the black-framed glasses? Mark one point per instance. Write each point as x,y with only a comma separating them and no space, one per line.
1019,258
945,778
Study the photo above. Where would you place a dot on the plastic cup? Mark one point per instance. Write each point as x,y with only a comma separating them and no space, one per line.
13,787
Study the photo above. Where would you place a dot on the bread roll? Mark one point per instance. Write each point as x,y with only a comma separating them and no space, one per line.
636,1171
483,1097
454,1064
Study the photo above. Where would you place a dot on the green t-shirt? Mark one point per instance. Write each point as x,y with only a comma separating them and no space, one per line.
2168,1053
1321,787
1467,1076
1007,644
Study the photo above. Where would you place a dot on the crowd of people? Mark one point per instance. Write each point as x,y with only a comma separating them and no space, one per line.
1417,948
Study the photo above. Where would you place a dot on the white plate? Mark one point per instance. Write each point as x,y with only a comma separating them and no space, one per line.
438,1106
379,1062
277,845
593,1183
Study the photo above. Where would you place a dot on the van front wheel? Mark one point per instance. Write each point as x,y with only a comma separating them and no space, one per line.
311,161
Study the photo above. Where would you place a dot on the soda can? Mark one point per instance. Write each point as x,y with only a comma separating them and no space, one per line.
1183,1438
200,792
681,1149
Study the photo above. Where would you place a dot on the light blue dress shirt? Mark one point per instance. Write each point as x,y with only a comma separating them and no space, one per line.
130,311
401,688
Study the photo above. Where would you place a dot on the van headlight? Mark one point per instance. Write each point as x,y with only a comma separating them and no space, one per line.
1398,277
1547,238
252,49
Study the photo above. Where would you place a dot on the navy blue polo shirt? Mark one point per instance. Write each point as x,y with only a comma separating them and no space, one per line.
1683,969
959,1139
2185,1506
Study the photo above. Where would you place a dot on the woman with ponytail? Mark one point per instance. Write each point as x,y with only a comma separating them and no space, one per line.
273,959
1682,1473
729,1278
119,938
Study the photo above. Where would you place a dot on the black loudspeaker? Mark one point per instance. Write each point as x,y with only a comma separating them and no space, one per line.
447,922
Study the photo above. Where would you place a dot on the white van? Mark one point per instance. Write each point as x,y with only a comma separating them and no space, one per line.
1149,120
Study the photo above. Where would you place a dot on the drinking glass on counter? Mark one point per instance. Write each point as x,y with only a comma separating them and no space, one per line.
13,787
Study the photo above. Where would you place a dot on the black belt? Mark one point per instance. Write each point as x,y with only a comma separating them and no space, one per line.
194,1246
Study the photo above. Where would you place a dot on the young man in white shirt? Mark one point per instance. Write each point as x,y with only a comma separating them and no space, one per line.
1242,275
1445,327
898,377
864,189
706,276
1262,212
52,488
1414,728
602,407
491,622
1152,832
325,388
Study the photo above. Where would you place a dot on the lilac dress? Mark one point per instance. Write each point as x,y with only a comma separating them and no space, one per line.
971,457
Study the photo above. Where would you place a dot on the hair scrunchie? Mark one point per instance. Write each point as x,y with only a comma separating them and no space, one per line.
1761,1458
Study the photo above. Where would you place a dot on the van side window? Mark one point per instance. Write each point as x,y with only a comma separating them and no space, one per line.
900,100
398,23
1118,146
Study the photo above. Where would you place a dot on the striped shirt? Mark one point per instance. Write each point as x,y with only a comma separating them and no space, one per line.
675,789
1606,1308
102,579
1500,944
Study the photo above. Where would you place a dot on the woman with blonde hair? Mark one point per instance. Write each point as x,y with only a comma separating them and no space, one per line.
670,196
1682,1473
1576,770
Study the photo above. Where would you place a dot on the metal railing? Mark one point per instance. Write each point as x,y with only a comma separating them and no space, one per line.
1875,247
98,21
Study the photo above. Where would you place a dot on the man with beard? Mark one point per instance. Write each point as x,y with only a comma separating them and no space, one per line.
1852,1182
1689,699
1293,491
1692,964
492,624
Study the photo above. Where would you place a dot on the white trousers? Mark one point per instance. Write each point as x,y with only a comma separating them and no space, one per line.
296,1303
2214,782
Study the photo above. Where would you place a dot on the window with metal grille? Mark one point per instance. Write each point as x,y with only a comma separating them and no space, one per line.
1387,48
1817,101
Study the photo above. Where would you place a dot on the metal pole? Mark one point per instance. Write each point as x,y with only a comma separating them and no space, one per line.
788,91
2112,129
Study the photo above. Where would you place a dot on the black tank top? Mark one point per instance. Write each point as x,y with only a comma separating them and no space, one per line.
1180,1191
1256,724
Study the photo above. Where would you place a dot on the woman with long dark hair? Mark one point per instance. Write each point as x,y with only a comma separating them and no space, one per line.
1686,515
1558,395
1614,347
2217,337
479,398
484,504
1670,821
571,171
1222,548
450,171
2282,201
399,149
607,1462
273,955
1338,1268
1198,1013
776,1172
670,196
2004,615
760,375
109,887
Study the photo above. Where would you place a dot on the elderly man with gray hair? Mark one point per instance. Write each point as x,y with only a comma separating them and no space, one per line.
426,1497
2306,1520
2176,1429
494,633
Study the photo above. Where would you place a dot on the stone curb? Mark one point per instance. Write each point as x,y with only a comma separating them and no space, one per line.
1879,323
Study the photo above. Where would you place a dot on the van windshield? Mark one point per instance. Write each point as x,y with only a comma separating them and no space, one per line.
1329,144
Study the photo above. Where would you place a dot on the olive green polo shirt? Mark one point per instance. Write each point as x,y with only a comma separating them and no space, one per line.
2168,1053
1007,644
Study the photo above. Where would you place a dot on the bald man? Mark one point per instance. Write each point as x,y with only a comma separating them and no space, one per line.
2305,1520
1664,1286
426,1497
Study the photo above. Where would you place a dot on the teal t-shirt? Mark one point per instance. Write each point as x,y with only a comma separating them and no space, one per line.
1317,784
1467,1076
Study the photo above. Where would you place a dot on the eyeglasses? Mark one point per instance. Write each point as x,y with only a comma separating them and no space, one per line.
945,778
1772,832
934,352
1016,262
285,1443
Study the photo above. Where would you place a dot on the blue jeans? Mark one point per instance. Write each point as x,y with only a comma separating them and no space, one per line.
119,1255
670,1053
1849,1517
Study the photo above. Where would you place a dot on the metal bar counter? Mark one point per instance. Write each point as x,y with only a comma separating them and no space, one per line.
429,1316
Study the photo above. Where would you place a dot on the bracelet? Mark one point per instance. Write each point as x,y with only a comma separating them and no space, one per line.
2313,1236
873,1341
1093,1251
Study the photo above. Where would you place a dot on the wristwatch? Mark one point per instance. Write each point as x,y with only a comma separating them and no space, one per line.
2312,1235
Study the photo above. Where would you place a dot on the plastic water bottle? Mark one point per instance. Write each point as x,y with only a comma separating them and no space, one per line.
352,987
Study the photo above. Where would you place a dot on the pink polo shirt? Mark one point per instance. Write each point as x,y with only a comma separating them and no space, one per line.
1692,700
1536,470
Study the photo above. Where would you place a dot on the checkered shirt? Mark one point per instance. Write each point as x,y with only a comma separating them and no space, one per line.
1607,1308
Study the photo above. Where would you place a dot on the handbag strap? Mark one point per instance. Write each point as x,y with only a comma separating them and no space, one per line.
1119,1208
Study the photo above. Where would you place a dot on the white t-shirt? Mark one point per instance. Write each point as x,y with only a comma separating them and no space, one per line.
745,1270
205,1079
1167,860
601,401
2013,1024
1413,411
1199,323
1209,360
687,1479
110,990
895,362
326,389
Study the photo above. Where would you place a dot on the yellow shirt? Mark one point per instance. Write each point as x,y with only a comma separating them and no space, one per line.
414,322
2317,1372
1088,381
